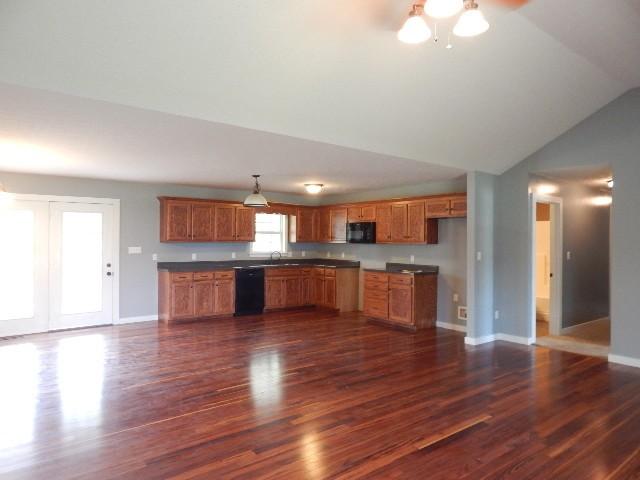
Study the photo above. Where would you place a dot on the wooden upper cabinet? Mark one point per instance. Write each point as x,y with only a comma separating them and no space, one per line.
383,223
338,225
305,223
225,222
408,223
202,215
175,221
245,229
361,213
416,228
447,207
399,222
324,225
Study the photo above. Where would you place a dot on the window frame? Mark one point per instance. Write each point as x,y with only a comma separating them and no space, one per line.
284,234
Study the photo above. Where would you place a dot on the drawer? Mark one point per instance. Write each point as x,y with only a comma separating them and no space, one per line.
181,276
203,275
401,279
225,275
282,272
376,277
305,271
376,294
329,272
317,272
375,286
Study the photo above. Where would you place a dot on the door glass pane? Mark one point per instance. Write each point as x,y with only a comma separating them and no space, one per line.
81,262
16,264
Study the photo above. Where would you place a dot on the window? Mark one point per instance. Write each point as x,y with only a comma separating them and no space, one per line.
271,234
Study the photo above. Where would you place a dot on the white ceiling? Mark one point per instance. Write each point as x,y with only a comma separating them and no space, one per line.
324,70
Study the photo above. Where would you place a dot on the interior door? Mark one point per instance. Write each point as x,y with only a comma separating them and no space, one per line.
81,269
24,230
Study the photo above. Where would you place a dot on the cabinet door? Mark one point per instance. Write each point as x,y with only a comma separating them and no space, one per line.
339,225
225,297
182,300
307,297
376,303
324,225
329,299
459,206
304,225
293,292
177,221
401,303
399,222
415,222
202,222
203,293
245,224
438,208
354,214
317,289
368,213
383,223
225,222
273,293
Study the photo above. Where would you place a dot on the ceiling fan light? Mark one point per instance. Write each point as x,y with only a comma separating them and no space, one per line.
442,8
256,199
471,22
415,29
313,188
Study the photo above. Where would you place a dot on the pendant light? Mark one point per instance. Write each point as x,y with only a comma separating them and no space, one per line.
415,29
471,22
442,8
256,199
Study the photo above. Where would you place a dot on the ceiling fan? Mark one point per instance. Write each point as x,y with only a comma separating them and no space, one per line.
470,22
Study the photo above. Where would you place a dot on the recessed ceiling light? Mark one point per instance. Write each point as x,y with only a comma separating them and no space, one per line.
313,188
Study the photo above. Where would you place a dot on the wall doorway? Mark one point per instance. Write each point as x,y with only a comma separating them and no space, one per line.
59,260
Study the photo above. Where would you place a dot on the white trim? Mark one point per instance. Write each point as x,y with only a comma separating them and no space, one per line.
557,252
479,340
143,318
62,198
514,339
451,326
622,360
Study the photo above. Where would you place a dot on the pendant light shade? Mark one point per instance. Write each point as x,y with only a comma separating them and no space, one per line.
442,8
471,22
256,199
415,29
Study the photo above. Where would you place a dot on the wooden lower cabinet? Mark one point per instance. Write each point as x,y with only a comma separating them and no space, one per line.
187,295
401,299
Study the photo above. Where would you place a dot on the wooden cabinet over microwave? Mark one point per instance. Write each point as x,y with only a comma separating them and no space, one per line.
447,207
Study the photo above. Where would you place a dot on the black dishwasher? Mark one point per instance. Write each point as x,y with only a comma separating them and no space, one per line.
249,291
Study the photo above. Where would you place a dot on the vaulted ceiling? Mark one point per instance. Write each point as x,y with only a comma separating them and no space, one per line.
324,70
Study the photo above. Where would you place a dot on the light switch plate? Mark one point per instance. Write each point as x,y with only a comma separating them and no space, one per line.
154,257
479,256
194,256
134,250
412,259
233,254
456,297
304,253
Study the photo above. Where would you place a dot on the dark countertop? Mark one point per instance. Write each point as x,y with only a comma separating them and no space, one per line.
226,265
408,268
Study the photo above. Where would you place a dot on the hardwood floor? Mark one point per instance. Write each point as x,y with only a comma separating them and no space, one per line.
308,395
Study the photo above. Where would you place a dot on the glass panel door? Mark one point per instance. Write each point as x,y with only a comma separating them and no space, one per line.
81,272
23,267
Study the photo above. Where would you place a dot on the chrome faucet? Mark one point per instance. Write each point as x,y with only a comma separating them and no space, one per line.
274,253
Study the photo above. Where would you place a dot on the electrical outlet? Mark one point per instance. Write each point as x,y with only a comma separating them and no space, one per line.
412,259
194,256
568,255
463,314
304,253
497,315
328,254
134,250
154,257
342,255
233,254
456,298
479,256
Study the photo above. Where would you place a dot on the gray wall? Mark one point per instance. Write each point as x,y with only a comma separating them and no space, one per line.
480,254
140,226
585,232
610,136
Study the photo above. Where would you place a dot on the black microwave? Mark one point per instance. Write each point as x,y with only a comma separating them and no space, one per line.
362,232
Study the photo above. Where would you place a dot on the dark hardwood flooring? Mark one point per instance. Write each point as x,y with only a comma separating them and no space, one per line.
308,395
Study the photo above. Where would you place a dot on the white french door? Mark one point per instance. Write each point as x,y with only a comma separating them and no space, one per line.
24,244
80,265
57,265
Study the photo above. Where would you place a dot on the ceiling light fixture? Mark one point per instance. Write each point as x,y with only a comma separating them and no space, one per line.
313,188
602,201
415,29
471,22
442,8
256,199
610,183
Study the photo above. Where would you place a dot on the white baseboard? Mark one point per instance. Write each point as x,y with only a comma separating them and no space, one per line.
622,360
479,340
514,339
144,318
451,326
